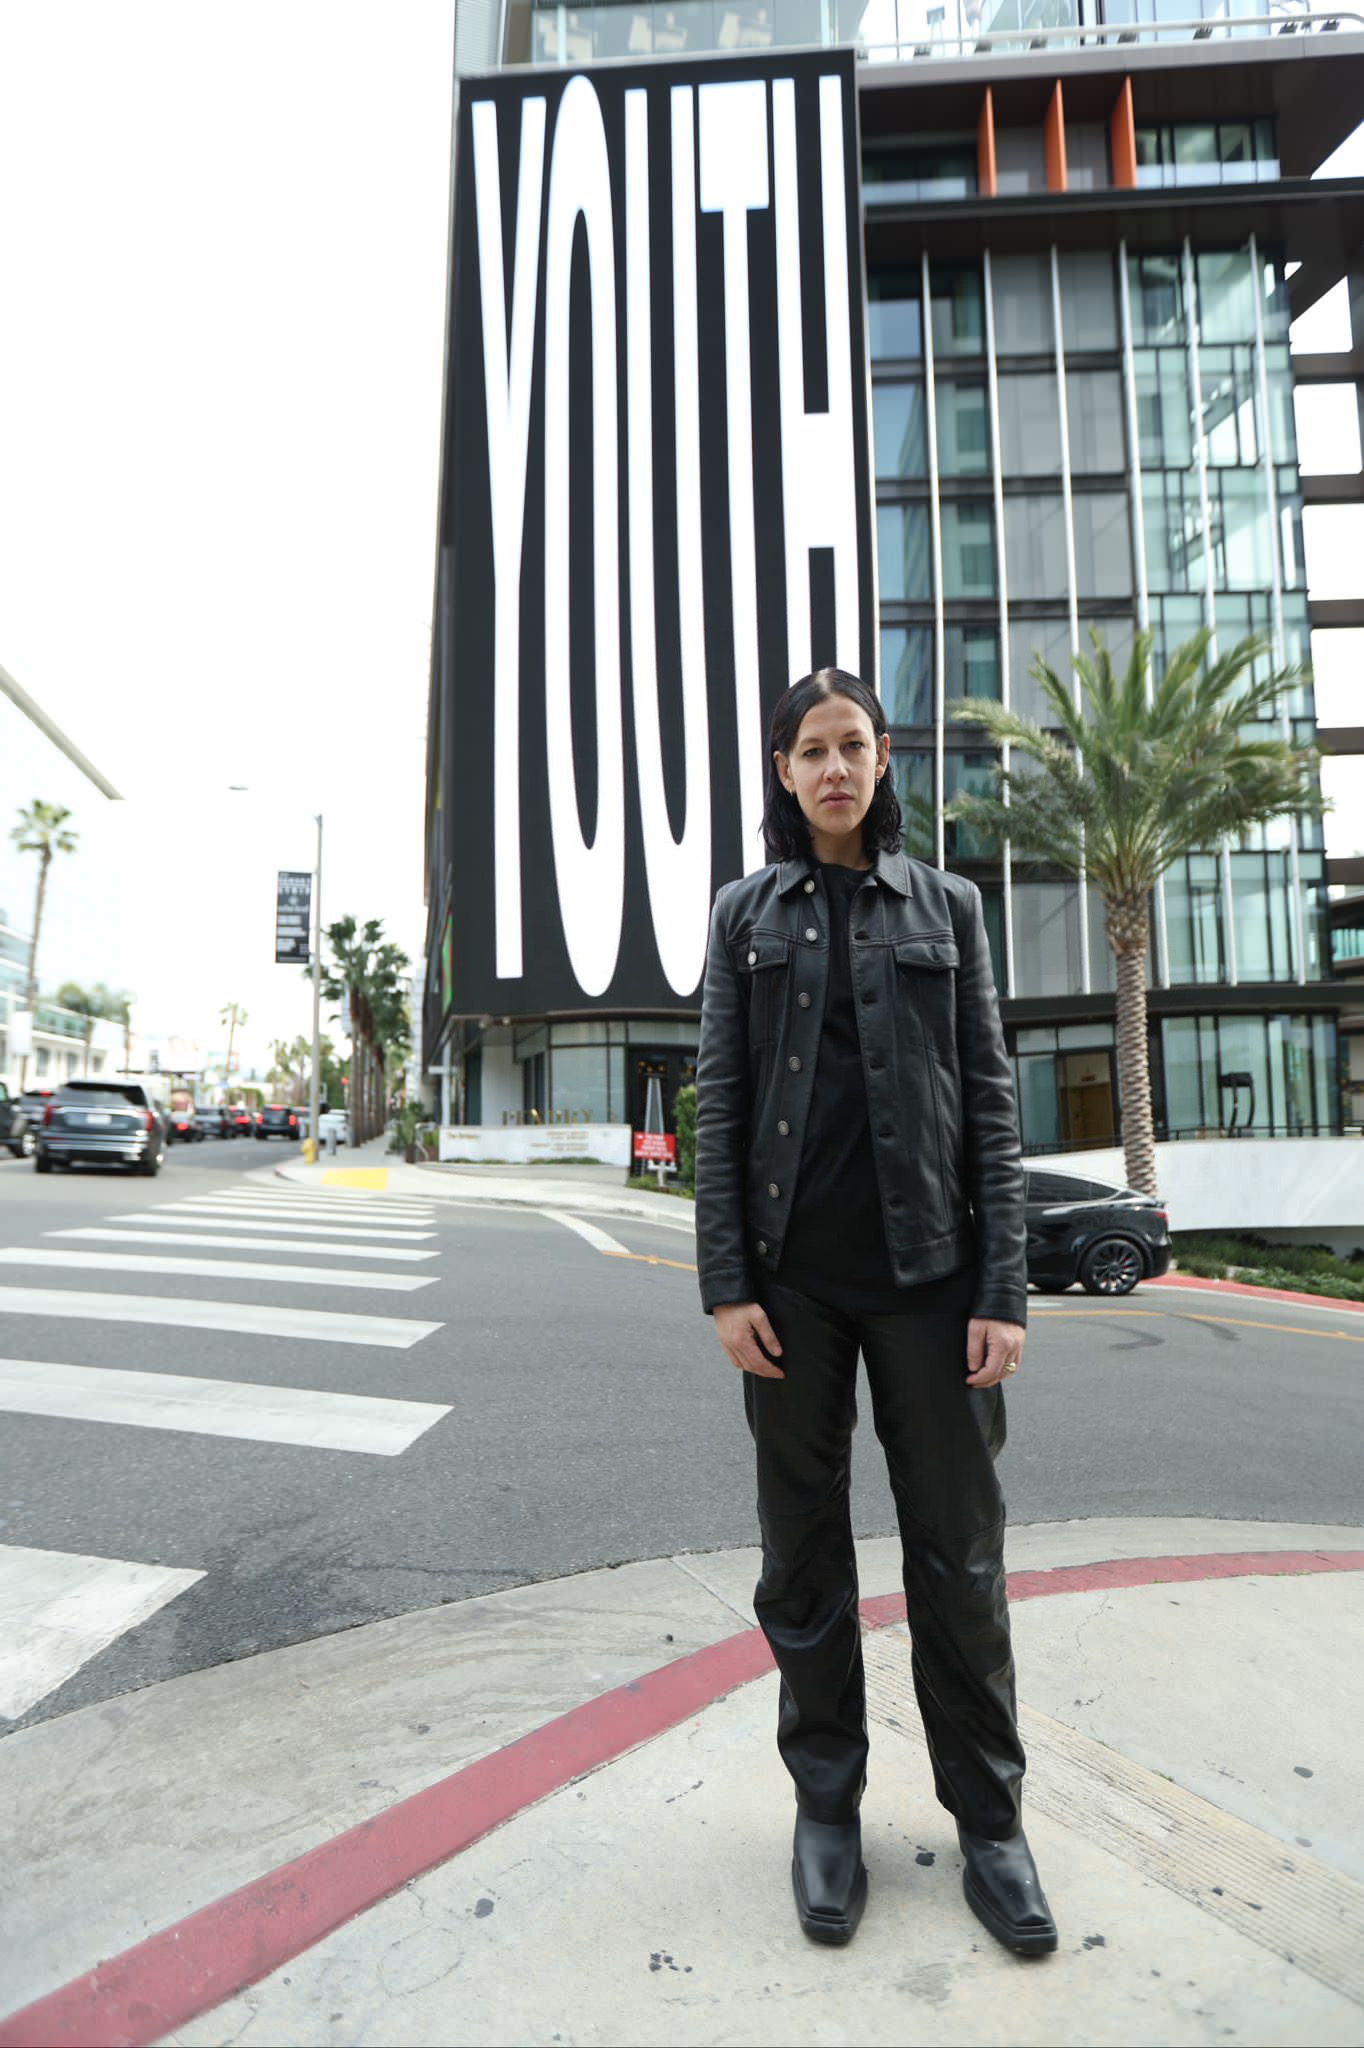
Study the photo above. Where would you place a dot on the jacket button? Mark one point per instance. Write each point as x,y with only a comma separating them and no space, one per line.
762,1247
885,1132
803,1000
783,1129
752,959
809,888
876,1065
794,1064
868,995
859,935
811,933
773,1189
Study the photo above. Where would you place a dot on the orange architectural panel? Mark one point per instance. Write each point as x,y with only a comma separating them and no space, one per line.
1122,130
986,178
1055,138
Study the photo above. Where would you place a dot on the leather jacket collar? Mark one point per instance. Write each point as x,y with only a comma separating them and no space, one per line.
890,869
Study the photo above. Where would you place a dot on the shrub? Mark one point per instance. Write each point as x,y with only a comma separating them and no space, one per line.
684,1121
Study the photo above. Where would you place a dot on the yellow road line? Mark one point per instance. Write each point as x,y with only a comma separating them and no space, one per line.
647,1259
1290,1329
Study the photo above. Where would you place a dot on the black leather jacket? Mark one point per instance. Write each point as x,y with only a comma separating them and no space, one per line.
944,1118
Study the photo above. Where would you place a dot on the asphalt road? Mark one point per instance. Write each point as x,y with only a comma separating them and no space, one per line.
592,1418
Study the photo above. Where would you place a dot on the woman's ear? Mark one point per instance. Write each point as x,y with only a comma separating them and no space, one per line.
784,773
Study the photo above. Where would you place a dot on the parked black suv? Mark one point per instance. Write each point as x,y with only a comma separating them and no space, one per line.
1106,1237
277,1120
15,1130
88,1120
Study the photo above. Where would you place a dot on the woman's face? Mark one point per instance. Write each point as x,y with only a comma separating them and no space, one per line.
832,771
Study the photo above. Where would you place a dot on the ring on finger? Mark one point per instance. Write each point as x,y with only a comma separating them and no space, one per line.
1013,1367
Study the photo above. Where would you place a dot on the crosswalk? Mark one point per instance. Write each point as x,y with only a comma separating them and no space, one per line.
59,1609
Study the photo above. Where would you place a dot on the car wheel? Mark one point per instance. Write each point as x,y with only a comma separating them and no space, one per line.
42,1164
29,1143
1051,1286
150,1167
1112,1265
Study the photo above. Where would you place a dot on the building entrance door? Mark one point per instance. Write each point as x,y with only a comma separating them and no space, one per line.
1085,1086
674,1068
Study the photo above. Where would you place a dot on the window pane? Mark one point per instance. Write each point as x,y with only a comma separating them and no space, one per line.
968,549
1183,1064
1089,313
902,542
1226,303
894,315
578,1081
1094,409
1103,545
620,31
1038,1110
1046,938
1156,286
1229,406
958,311
1087,165
914,786
1242,1049
1020,159
1195,153
1022,295
1034,536
1029,426
901,429
963,434
972,665
1193,915
907,674
974,772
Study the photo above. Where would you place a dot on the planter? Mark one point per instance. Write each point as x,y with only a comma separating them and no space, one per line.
411,1153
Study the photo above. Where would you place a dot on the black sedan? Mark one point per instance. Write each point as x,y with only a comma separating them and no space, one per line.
1106,1237
277,1120
183,1128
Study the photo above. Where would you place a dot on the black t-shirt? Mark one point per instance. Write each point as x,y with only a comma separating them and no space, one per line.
835,1245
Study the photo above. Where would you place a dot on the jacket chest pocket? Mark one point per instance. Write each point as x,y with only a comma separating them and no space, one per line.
926,981
763,960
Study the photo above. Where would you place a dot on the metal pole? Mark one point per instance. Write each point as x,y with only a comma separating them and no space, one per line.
314,1092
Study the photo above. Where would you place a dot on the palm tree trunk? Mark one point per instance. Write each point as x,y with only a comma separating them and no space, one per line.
89,1034
44,863
1128,925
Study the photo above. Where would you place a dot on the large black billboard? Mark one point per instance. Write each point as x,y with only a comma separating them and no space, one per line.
657,505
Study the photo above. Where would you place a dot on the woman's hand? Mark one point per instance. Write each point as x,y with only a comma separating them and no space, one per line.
992,1350
743,1327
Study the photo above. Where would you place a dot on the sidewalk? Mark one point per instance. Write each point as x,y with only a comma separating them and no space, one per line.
593,1190
556,1814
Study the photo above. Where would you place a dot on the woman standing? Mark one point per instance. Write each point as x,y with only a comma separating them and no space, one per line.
859,1189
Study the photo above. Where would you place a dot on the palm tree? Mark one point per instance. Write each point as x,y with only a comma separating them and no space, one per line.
92,1003
1132,781
231,1014
367,969
42,829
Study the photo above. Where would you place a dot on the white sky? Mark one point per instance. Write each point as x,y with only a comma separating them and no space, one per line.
222,277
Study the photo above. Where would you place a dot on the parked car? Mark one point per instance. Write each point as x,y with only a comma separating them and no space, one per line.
337,1120
216,1121
241,1118
31,1105
14,1128
1106,1237
92,1120
183,1126
277,1120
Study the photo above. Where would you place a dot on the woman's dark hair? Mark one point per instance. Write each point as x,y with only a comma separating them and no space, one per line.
785,832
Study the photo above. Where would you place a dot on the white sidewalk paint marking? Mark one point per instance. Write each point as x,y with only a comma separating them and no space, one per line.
318,1212
58,1610
301,1416
230,1219
598,1239
323,1326
186,1240
217,1269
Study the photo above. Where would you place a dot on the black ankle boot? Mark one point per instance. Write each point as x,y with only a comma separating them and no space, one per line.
1005,1893
829,1877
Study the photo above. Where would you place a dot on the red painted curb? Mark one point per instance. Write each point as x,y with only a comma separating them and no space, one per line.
188,1968
1243,1287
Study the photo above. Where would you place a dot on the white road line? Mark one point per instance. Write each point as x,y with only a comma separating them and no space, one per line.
228,1219
215,1269
323,1326
598,1239
227,1408
186,1240
58,1610
319,1211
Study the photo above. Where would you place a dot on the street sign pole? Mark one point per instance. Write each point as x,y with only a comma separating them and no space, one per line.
314,1093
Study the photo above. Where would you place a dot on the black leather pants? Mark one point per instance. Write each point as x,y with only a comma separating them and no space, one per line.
940,1438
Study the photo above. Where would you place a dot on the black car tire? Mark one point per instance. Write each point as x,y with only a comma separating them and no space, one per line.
1051,1286
42,1164
29,1144
1112,1265
18,1148
150,1166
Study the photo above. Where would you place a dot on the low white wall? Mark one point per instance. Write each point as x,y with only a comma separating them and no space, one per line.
501,1084
608,1142
1313,1187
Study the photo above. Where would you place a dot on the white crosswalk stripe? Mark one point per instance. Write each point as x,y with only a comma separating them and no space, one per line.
221,1269
600,1240
232,1219
365,1423
187,1240
313,1325
318,1212
58,1610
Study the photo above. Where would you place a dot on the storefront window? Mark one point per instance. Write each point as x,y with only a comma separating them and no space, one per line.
1038,1109
579,1083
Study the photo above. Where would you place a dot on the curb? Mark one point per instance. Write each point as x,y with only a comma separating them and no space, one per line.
197,1963
1249,1293
566,1198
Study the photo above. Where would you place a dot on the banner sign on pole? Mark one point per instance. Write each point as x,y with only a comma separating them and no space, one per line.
657,503
293,918
655,1145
